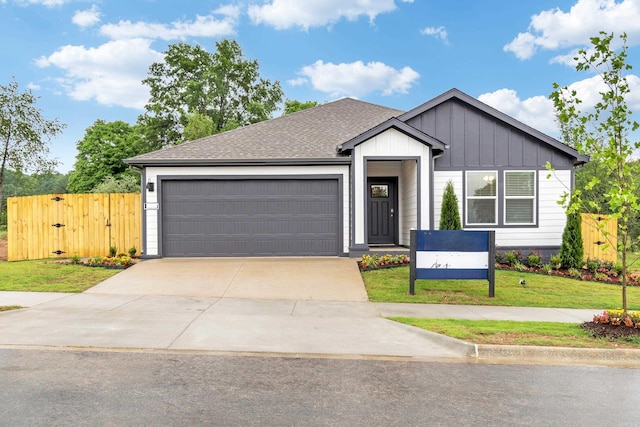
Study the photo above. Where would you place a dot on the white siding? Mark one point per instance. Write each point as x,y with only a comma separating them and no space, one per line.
552,217
390,143
152,219
409,206
440,179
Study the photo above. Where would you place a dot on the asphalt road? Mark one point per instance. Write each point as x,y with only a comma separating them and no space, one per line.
68,387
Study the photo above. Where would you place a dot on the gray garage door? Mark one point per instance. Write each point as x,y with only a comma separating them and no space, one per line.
251,217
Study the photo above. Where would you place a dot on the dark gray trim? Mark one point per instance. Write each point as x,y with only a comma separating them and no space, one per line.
365,160
398,125
342,160
396,219
337,177
469,100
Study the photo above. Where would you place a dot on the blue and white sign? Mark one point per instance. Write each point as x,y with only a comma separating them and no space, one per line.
452,254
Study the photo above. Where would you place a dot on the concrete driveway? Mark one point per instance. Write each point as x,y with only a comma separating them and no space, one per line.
319,279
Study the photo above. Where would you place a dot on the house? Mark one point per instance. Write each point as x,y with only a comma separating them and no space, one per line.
345,176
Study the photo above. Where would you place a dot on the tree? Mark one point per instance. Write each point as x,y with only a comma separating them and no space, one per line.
121,184
222,85
100,154
450,215
24,133
572,249
198,126
293,106
604,135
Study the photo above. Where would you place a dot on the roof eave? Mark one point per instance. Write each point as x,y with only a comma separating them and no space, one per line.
393,123
344,160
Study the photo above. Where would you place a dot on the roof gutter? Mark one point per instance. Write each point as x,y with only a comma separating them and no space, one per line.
141,163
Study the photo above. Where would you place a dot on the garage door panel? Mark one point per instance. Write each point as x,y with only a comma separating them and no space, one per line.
250,217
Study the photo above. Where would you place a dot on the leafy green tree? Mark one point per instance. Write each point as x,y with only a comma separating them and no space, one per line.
604,135
572,249
100,154
24,134
292,106
222,85
450,215
198,126
121,184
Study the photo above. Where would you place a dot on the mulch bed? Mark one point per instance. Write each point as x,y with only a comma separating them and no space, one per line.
609,331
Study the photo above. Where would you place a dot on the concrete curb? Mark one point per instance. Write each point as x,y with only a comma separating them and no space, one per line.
532,354
464,348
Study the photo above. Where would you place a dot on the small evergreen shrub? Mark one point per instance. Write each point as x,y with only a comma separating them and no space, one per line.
450,215
113,251
572,250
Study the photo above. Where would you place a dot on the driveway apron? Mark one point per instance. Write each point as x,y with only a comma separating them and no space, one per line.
321,279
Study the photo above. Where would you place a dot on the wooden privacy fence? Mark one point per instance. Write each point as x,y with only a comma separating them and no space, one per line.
64,225
600,237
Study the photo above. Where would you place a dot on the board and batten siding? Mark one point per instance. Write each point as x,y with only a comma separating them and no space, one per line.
152,216
479,140
390,144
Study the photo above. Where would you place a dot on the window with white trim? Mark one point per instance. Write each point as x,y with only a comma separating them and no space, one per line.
519,197
481,198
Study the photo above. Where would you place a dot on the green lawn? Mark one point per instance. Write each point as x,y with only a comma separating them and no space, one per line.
504,332
392,285
47,276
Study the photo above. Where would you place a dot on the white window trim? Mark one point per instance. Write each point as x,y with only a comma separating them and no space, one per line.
533,197
467,198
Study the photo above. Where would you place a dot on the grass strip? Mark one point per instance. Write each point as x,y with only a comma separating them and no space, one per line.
392,285
506,332
42,276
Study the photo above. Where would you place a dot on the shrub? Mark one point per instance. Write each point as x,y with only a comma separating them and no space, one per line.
572,251
520,266
555,261
132,251
534,259
450,215
513,257
112,251
592,265
575,273
546,268
75,259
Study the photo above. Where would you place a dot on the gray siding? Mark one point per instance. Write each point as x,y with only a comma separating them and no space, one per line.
478,140
250,217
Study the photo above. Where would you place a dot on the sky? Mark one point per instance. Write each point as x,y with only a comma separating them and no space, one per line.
86,60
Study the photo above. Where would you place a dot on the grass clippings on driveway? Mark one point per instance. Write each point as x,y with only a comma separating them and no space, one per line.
392,285
504,332
47,276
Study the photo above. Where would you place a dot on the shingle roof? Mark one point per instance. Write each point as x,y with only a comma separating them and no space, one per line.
314,133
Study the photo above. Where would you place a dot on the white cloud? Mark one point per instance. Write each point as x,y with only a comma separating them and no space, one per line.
202,26
555,29
357,79
536,111
33,86
283,14
437,32
47,3
111,74
86,18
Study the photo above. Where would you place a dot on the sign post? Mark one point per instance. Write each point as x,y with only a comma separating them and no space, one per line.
452,254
